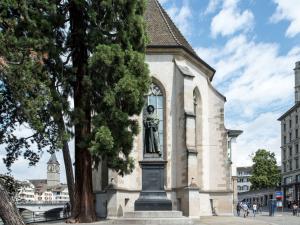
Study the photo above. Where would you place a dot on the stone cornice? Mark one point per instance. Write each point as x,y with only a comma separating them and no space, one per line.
180,50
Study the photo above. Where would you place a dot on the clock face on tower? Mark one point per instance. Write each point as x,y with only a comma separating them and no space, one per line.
53,168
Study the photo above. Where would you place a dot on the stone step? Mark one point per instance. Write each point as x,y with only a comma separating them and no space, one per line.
153,214
155,221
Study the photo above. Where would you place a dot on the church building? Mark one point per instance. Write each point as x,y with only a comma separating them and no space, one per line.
191,172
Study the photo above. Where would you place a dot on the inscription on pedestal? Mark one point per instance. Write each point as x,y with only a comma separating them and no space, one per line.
153,196
152,179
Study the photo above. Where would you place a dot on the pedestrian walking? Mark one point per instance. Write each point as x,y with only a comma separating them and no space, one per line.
259,208
245,209
254,208
238,209
295,209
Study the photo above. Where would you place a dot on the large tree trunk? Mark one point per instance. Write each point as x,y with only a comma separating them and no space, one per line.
8,211
84,208
68,166
69,174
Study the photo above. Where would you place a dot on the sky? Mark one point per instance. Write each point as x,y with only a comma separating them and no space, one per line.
253,45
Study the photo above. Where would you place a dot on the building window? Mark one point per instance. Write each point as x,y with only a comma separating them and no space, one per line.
290,150
155,97
284,154
284,166
290,122
296,119
298,178
290,138
297,148
297,163
291,164
284,127
284,139
288,180
296,133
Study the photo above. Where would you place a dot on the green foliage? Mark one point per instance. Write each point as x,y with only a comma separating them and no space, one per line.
32,88
10,185
37,76
265,173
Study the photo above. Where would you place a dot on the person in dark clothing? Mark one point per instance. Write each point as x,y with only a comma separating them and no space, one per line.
238,209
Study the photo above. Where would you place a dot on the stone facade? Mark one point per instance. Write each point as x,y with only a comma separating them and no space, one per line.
197,173
53,171
243,175
259,196
290,141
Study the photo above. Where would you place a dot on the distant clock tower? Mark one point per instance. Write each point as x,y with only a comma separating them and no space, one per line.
53,171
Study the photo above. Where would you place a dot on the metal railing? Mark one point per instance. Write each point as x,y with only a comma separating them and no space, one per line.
33,217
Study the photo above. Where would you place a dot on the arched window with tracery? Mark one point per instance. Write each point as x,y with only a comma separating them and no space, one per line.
155,97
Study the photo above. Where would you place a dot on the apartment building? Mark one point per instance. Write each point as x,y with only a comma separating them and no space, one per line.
290,141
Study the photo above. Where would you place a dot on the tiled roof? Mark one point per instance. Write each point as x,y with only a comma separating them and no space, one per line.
161,29
162,32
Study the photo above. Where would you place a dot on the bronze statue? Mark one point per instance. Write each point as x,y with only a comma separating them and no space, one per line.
151,138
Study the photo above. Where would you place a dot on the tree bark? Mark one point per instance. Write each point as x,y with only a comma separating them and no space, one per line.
84,208
8,211
68,166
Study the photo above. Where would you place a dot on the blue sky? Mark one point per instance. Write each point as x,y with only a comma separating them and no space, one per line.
253,45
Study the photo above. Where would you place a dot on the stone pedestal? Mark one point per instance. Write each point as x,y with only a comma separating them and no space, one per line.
153,196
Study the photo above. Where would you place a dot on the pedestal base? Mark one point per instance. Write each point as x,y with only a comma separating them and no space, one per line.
153,196
153,201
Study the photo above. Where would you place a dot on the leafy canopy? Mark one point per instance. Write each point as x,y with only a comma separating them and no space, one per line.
37,77
265,173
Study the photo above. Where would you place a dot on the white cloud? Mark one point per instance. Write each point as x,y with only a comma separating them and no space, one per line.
261,133
230,19
288,10
181,16
163,1
212,6
258,83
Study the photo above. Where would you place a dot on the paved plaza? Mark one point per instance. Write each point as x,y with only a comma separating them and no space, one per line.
285,218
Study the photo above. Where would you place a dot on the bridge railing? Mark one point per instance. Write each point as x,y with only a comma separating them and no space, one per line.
32,217
43,203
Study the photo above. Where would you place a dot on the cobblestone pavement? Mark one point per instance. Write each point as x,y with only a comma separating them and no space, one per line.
280,218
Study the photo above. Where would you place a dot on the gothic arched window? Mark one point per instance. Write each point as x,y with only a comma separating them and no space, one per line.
155,97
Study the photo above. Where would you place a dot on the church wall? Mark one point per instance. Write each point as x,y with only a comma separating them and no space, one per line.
214,133
179,150
212,157
218,146
162,70
212,150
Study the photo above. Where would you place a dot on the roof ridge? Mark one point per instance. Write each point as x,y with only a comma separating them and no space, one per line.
165,20
176,29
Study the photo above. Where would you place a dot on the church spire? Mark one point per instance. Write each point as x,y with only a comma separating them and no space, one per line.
53,159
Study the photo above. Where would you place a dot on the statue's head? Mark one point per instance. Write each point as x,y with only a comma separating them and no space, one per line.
150,109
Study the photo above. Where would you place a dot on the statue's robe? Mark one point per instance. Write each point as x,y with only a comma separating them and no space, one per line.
151,139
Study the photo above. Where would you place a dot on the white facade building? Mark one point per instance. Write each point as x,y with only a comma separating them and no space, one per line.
192,133
243,182
26,192
61,194
290,142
